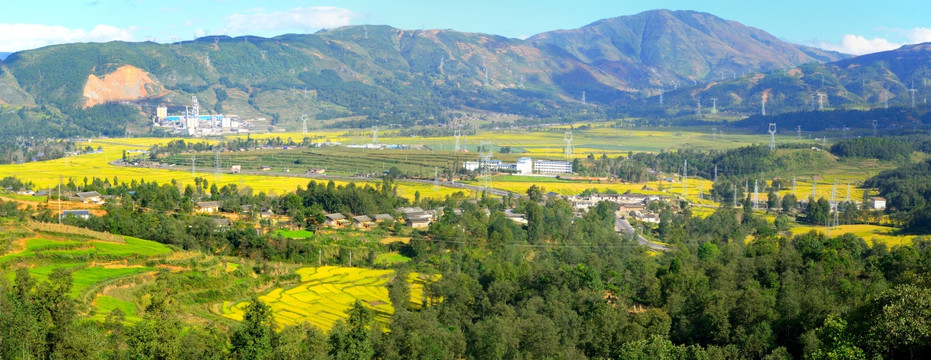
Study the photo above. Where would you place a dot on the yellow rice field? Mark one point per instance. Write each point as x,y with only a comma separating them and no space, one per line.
873,234
326,293
46,174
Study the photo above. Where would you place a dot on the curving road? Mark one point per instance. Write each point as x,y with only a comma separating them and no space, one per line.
621,224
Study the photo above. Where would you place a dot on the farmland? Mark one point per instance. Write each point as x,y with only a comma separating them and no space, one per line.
46,174
325,293
873,234
92,258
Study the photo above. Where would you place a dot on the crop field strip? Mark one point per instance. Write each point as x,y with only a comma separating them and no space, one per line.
325,293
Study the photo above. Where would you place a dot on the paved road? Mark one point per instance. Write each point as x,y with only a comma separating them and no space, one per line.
621,224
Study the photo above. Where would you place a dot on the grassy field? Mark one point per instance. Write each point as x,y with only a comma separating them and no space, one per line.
325,293
295,234
92,260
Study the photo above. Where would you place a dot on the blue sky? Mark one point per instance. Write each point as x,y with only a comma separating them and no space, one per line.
852,26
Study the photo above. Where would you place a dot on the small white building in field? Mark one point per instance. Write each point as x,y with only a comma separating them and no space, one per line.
877,203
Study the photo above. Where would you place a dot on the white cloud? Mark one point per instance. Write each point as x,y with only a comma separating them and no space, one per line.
918,35
300,18
16,37
859,45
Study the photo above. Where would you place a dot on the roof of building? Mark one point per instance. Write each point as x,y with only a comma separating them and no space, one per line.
878,198
361,218
88,194
221,221
419,214
408,210
208,204
420,219
385,217
335,216
76,212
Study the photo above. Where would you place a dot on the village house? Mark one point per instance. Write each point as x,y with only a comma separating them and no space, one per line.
380,218
220,223
207,207
517,218
877,203
336,220
83,214
362,222
419,220
89,197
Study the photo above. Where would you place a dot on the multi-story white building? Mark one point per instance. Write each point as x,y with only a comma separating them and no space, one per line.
524,165
493,165
552,167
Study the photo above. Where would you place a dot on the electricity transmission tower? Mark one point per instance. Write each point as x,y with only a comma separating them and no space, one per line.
772,136
567,137
485,155
304,125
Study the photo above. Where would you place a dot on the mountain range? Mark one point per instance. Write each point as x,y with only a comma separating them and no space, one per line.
357,75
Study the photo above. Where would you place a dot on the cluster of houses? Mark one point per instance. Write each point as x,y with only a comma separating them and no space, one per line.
633,205
414,217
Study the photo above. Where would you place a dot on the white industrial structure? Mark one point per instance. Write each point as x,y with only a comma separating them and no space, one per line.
195,124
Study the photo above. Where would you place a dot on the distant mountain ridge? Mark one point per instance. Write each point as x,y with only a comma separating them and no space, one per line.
3,55
360,75
656,48
865,82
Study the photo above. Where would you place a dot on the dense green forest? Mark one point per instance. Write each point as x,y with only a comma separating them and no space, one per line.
879,148
743,163
908,190
555,288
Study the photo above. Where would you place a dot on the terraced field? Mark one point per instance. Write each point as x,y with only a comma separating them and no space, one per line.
325,293
93,258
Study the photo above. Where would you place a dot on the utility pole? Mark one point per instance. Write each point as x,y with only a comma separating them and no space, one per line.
735,195
772,136
59,199
685,177
699,105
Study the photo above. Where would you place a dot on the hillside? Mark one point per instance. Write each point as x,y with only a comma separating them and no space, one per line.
655,49
859,83
358,76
